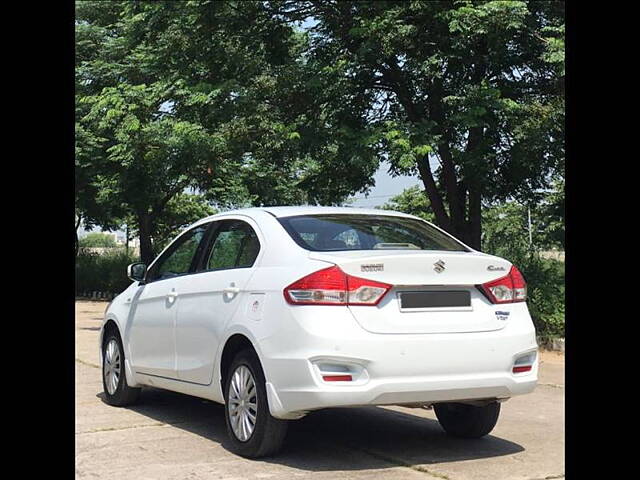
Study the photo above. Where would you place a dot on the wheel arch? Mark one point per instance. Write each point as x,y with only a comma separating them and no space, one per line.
235,343
111,325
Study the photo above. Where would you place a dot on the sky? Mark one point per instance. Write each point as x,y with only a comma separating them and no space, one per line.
386,187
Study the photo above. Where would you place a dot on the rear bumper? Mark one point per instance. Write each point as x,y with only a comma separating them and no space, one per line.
293,404
393,369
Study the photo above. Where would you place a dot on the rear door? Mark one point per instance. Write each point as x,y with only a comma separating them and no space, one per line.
210,297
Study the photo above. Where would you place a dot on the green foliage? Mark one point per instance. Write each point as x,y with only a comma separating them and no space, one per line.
550,216
208,96
506,235
545,282
506,224
476,85
250,109
505,231
97,239
103,272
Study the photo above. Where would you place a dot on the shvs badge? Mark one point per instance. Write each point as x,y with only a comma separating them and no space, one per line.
502,315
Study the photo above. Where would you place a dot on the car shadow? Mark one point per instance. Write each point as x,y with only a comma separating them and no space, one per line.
356,438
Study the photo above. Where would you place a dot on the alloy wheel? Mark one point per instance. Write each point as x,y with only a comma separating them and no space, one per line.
112,366
243,403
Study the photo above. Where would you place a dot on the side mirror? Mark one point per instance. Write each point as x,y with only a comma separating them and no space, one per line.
136,271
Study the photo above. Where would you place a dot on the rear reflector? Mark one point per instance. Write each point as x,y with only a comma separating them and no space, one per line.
524,363
331,286
523,368
508,289
337,378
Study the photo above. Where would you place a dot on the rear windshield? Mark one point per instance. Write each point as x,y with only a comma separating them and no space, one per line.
327,233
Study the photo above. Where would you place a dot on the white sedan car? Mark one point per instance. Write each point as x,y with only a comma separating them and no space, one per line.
279,311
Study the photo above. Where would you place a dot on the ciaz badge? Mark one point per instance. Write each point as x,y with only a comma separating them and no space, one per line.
493,268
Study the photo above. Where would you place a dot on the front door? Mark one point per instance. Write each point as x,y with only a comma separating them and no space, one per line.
152,335
209,298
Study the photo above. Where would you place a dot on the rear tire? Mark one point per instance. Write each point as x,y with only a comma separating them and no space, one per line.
467,421
114,382
262,434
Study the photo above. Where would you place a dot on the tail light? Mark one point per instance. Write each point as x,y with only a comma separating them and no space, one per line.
508,289
331,286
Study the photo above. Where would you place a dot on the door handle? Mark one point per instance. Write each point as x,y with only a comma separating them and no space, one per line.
233,290
171,296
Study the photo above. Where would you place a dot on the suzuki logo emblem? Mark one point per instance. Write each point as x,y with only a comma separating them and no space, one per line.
439,266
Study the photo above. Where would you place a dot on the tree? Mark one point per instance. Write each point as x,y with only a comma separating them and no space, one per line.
150,158
236,100
243,71
134,154
475,85
90,208
179,95
98,239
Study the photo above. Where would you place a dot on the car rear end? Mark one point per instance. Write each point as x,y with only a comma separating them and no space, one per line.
395,311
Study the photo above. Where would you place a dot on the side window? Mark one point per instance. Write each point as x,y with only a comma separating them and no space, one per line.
178,260
235,245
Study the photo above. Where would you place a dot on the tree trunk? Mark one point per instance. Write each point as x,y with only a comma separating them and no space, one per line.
144,229
77,245
435,199
460,220
475,220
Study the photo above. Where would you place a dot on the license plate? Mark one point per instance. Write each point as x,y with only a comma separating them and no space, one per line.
435,299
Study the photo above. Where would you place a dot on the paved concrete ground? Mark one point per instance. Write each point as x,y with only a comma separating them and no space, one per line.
173,436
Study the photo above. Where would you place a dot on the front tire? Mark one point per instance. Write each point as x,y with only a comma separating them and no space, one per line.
252,431
114,383
467,421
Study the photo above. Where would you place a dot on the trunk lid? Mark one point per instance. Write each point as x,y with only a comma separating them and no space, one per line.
424,271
